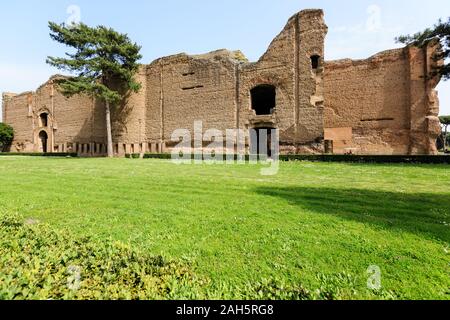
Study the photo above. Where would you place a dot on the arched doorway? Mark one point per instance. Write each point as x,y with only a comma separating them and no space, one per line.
43,139
263,99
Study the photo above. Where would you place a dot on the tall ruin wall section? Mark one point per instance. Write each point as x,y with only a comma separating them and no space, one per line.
185,89
299,86
383,105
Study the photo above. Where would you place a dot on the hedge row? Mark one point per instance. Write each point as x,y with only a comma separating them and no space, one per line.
426,159
37,154
417,159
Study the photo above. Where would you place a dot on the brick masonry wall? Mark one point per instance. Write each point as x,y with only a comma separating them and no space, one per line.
287,66
129,119
383,105
385,101
17,112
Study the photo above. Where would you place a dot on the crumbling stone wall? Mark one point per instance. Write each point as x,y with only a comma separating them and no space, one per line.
18,113
129,120
388,102
215,89
383,105
287,66
185,89
71,123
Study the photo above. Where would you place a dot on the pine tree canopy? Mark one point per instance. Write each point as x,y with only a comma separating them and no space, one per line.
445,120
440,31
104,61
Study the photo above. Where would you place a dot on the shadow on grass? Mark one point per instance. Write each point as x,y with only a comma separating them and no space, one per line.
420,213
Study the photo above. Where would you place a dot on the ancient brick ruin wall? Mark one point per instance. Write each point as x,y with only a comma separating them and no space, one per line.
287,66
73,124
17,112
382,105
129,120
384,101
424,103
215,89
185,89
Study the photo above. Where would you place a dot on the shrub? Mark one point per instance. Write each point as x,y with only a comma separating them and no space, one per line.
339,158
6,136
133,155
39,263
166,156
416,159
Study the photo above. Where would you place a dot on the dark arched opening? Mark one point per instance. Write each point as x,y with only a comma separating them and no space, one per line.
263,99
43,137
43,120
315,62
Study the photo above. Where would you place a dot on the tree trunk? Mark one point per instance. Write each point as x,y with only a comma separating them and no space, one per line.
109,131
445,139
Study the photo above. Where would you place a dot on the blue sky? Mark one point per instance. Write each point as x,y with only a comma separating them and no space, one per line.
358,29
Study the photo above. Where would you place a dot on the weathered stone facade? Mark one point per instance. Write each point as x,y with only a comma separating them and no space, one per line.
384,105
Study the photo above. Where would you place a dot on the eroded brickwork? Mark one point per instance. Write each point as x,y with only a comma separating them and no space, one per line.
386,104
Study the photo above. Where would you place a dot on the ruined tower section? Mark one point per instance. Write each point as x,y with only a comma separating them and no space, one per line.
290,74
308,83
424,102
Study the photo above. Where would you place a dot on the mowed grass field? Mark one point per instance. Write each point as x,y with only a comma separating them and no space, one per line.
317,225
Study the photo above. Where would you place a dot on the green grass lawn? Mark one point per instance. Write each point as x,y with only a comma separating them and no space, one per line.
316,225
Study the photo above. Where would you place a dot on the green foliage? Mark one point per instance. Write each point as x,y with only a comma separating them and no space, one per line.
335,158
6,136
440,31
445,120
444,139
166,156
105,61
39,263
132,155
417,159
39,154
310,232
